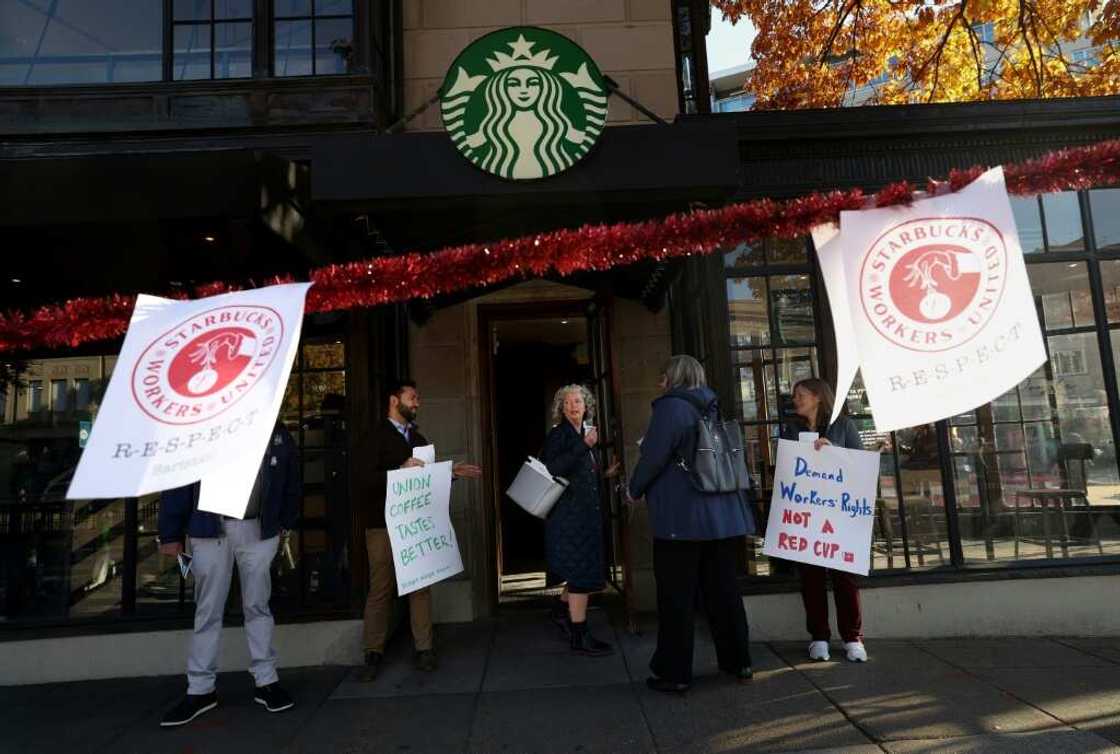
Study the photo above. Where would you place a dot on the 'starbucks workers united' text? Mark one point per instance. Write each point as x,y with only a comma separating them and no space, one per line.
524,103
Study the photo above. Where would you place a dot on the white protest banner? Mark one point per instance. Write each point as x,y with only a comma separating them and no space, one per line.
941,311
823,506
425,549
194,396
831,257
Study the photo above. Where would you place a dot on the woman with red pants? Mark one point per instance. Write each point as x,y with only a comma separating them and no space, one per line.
812,403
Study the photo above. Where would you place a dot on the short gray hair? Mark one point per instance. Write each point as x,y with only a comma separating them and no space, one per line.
562,393
683,371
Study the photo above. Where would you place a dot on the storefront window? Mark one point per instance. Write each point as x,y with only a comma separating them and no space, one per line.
1035,470
773,341
1032,475
63,559
80,42
58,559
314,411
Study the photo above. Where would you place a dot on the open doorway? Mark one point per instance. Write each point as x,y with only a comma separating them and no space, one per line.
533,352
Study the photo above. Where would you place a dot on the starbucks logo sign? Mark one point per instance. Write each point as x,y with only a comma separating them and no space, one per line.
524,103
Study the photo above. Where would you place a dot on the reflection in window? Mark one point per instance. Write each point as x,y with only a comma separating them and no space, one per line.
746,301
83,394
1028,222
1064,230
744,255
34,396
80,42
59,395
1062,295
1105,206
313,37
791,299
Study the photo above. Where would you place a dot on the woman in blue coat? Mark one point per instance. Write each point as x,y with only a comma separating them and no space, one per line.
812,403
574,527
696,535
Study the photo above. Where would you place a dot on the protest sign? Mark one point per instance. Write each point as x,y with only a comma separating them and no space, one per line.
932,302
823,506
425,549
194,396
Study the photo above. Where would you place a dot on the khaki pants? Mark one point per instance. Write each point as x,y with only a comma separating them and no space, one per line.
382,589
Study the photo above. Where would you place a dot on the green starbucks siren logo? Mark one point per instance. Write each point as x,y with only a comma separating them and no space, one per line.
524,103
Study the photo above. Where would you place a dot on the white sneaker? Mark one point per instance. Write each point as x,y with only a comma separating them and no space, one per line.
856,651
818,651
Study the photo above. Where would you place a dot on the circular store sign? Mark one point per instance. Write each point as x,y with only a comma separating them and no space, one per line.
205,365
524,103
932,284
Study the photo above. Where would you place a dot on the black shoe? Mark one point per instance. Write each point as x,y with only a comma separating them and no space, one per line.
274,698
654,683
560,617
426,660
742,675
189,708
373,666
583,643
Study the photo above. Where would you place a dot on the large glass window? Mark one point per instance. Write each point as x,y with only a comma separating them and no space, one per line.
1036,473
213,39
1033,475
63,559
773,345
45,42
313,37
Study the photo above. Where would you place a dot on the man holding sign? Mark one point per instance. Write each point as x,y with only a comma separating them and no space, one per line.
821,514
394,445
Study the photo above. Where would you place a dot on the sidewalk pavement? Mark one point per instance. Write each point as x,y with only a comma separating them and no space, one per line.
509,686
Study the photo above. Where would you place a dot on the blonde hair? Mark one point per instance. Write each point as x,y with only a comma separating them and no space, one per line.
558,403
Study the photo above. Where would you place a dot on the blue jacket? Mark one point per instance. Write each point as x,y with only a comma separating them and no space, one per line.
281,491
677,510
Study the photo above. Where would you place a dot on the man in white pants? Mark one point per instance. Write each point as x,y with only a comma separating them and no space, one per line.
217,542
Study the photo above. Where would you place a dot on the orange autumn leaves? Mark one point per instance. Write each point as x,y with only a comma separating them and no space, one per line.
827,53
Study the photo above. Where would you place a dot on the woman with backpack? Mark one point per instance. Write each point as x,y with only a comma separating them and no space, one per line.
696,535
812,404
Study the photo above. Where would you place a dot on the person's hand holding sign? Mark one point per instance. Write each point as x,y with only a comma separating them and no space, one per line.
820,442
412,463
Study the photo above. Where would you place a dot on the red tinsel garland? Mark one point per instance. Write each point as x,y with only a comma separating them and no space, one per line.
387,280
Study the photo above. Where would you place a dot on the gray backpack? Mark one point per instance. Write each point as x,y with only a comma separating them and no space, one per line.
718,463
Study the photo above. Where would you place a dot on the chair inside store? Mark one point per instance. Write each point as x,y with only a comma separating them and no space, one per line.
1064,515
